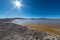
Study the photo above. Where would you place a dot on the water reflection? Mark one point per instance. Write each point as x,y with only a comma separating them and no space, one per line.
17,21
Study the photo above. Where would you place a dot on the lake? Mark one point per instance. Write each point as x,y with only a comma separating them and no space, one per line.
17,21
50,26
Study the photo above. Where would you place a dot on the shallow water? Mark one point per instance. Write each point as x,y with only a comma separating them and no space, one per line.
17,21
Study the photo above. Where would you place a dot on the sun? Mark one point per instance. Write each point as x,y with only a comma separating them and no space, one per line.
17,3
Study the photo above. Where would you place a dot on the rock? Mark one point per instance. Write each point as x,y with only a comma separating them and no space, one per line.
10,31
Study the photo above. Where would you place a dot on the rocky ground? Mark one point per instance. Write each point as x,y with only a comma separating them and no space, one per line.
10,31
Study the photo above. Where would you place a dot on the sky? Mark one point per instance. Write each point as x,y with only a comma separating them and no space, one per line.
30,9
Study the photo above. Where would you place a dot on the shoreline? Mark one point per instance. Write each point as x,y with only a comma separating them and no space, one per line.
53,29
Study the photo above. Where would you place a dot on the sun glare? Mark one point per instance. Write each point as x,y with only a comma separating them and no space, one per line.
17,4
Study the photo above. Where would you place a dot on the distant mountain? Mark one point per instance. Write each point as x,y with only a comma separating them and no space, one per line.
39,18
9,19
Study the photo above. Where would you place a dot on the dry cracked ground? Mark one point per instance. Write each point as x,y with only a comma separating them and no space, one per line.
10,31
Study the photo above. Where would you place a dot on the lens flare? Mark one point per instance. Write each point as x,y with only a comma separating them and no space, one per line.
17,3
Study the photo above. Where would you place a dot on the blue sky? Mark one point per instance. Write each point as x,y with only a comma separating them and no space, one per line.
30,9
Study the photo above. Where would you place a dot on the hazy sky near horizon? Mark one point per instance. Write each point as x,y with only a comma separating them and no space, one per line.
30,8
